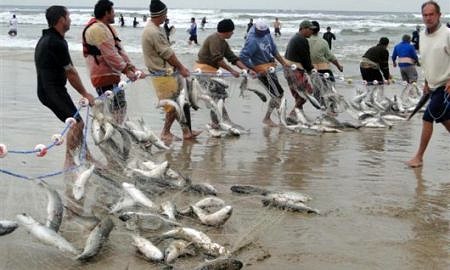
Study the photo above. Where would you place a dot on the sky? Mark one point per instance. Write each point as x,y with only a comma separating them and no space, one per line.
330,5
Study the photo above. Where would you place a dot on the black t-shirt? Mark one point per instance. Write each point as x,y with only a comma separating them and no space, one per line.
380,55
51,56
298,51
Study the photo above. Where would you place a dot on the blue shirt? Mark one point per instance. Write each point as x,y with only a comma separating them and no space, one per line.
258,49
404,49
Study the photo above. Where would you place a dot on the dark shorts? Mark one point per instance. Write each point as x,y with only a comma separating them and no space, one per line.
119,101
409,73
438,108
59,102
371,74
193,38
272,85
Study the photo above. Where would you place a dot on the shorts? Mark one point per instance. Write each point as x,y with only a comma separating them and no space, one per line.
119,101
193,38
59,102
297,82
370,74
409,73
438,108
167,87
272,85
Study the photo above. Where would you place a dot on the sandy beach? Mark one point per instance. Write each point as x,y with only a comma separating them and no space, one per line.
376,213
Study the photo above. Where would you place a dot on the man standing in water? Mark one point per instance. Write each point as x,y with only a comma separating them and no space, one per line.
161,59
435,61
54,67
13,26
106,58
211,58
298,54
329,36
415,38
407,59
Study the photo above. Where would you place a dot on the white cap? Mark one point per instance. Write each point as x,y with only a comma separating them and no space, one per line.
261,25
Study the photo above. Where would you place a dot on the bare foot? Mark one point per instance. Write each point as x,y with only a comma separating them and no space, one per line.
191,135
415,162
168,137
269,122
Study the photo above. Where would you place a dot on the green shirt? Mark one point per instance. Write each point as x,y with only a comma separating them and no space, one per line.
214,49
319,50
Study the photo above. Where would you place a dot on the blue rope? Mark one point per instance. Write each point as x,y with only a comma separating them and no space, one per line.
41,176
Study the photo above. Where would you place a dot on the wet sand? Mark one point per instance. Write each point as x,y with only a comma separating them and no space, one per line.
376,212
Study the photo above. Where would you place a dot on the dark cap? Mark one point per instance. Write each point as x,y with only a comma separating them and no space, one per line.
306,24
384,41
157,8
225,25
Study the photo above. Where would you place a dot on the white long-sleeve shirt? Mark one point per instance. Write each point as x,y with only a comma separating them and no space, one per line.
435,56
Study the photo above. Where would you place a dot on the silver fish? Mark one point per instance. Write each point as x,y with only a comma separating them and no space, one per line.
7,226
151,216
124,202
80,183
96,130
175,105
44,234
177,248
98,236
210,202
217,218
147,248
169,209
55,209
138,195
220,264
204,188
287,204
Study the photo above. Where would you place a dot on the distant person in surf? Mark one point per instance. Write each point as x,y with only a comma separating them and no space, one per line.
203,23
436,65
374,65
416,37
329,36
13,26
249,26
405,55
277,27
168,29
192,30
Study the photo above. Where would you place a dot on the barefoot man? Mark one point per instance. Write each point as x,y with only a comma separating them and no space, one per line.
159,59
436,65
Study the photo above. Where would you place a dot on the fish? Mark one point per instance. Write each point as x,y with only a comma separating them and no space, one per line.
152,137
217,218
137,195
261,96
169,209
159,171
96,131
193,89
97,238
199,239
128,215
221,264
177,248
174,104
212,105
109,131
80,183
287,204
125,202
7,227
289,195
55,209
423,100
204,188
248,189
147,248
45,234
209,202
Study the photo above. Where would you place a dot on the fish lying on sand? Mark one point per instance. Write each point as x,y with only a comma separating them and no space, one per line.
98,236
7,226
45,234
147,248
178,248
